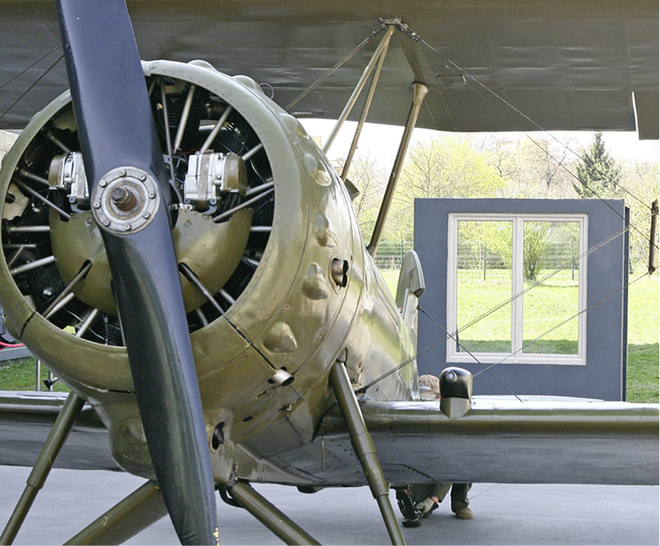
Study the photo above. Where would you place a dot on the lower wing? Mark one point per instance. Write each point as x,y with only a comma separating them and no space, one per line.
501,440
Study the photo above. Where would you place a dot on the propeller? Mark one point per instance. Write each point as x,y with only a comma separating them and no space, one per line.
130,202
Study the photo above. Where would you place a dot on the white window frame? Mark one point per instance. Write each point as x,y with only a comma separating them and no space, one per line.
517,356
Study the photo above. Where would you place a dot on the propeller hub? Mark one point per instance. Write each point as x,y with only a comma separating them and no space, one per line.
125,200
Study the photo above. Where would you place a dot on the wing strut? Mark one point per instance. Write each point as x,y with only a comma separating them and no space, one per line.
419,92
58,434
381,50
367,104
364,447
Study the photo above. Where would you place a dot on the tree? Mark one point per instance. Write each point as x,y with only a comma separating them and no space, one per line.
598,173
443,166
368,177
536,167
641,180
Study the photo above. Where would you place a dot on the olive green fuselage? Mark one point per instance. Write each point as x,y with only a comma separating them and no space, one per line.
315,295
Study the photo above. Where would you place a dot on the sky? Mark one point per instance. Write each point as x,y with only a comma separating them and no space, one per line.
382,141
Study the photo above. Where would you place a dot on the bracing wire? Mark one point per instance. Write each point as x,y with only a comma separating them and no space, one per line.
417,38
484,315
618,291
453,336
321,79
31,86
32,65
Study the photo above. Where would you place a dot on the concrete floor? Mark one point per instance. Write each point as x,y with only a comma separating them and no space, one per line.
504,514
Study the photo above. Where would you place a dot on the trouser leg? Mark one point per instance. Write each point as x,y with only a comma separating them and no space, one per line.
440,491
420,492
459,496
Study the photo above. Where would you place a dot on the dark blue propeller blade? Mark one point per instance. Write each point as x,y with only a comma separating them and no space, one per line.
131,204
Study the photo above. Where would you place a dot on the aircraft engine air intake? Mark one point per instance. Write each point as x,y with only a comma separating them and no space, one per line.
273,271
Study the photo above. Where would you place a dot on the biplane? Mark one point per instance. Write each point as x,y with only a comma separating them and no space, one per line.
185,259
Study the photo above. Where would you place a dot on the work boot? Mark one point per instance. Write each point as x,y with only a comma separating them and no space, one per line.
426,507
464,513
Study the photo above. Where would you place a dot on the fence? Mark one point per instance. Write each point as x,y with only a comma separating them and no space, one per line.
555,256
390,253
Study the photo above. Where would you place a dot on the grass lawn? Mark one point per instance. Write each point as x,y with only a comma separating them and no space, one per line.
643,327
643,324
20,375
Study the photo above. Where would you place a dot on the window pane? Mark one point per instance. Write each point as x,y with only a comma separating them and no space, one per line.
483,283
550,258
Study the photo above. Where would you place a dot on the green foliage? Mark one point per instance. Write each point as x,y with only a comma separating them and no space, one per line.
642,182
447,166
598,174
371,180
20,375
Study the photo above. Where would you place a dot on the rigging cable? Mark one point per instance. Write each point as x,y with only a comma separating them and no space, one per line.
362,390
618,291
28,68
31,86
315,84
417,38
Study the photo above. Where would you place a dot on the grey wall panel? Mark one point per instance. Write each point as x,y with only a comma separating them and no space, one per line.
603,374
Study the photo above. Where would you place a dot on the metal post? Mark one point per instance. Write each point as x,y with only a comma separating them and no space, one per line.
37,385
419,92
358,88
41,469
142,508
367,105
485,260
269,515
364,448
653,248
572,260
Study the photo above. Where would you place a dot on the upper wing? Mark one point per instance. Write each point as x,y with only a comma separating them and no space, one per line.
550,64
499,440
26,418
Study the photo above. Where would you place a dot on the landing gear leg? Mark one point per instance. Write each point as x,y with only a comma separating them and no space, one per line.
65,420
364,448
269,515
